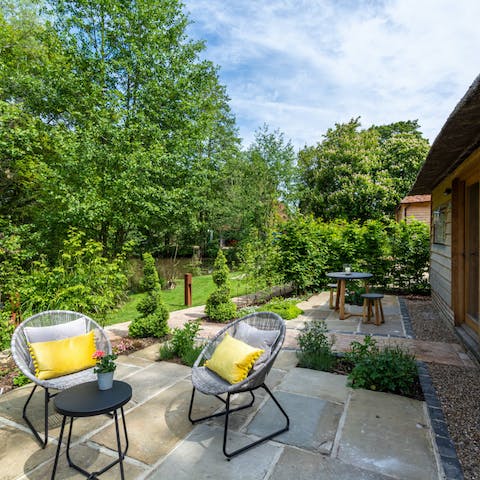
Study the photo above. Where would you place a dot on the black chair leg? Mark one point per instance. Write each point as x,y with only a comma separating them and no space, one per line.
227,411
219,414
43,441
228,454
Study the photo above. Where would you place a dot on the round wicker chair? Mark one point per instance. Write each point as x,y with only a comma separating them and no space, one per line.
53,325
209,383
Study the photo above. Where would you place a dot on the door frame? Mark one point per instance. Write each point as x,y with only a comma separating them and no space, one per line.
460,254
471,321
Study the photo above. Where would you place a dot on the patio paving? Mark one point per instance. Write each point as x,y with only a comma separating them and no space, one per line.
336,432
334,429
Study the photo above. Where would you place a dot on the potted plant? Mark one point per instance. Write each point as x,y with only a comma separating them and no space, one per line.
104,368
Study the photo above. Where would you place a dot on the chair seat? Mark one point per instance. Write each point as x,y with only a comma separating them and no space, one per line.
371,300
209,382
70,380
372,296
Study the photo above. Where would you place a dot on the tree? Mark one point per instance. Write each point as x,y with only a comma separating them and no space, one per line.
120,127
358,174
256,187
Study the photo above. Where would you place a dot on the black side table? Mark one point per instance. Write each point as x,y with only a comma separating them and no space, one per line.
86,400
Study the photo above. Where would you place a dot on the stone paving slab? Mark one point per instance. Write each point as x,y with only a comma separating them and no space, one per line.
324,385
286,360
124,370
149,354
444,353
318,301
350,324
388,434
158,424
11,405
154,378
302,465
20,452
297,323
393,326
238,419
313,422
200,457
87,458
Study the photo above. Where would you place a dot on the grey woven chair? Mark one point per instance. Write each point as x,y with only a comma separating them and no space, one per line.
209,383
46,326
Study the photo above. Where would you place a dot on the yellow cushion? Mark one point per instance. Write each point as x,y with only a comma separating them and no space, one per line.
61,357
233,359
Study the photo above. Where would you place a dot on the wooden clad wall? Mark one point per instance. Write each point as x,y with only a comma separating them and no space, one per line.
447,260
419,211
441,258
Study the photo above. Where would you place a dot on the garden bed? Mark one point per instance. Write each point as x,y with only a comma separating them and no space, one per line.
344,367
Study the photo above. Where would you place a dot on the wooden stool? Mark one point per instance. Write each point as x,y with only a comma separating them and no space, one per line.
373,300
333,288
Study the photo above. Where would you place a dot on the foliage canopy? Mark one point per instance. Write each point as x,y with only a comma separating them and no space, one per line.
358,174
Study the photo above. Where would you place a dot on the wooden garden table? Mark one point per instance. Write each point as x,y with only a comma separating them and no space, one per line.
341,278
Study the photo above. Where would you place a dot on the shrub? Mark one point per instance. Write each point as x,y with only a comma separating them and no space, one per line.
150,302
220,270
9,318
316,347
153,325
153,319
150,274
360,351
302,253
189,357
353,295
286,308
20,380
391,369
243,312
219,306
182,344
82,280
410,247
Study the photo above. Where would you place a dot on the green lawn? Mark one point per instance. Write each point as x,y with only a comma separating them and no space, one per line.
202,287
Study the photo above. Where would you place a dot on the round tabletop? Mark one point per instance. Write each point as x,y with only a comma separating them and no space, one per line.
349,276
86,400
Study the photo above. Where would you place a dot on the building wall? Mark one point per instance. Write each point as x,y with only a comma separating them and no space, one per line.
447,286
441,257
419,211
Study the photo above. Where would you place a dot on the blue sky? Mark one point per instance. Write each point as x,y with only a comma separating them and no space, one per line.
301,66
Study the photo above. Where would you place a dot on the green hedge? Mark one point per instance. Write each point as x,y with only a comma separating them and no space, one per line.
397,254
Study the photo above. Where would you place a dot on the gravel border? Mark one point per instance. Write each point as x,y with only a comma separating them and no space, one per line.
452,395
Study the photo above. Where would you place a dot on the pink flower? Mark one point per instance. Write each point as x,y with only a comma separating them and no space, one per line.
104,362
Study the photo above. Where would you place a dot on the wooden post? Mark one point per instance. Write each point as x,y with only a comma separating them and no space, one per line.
188,289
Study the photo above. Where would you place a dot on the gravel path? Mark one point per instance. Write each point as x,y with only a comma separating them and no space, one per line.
458,388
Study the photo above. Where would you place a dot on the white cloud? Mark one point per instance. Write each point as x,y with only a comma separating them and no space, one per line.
302,66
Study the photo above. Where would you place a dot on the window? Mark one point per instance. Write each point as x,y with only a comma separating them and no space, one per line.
440,225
